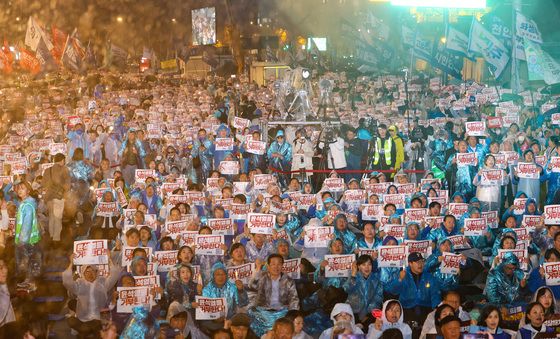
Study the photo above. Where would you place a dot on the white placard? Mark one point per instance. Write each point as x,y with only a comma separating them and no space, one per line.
259,223
209,244
210,308
339,265
90,252
318,237
392,256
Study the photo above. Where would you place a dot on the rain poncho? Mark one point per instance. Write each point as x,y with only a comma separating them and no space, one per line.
446,281
78,139
348,237
234,298
177,290
292,226
364,294
531,187
284,149
337,309
220,155
388,275
425,292
141,152
320,278
205,157
501,289
373,333
462,178
80,170
439,148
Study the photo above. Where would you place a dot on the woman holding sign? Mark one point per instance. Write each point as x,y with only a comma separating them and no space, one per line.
489,181
528,175
365,291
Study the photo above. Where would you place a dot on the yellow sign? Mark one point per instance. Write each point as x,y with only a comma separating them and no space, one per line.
169,64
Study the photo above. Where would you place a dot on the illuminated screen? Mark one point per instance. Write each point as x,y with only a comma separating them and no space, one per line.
441,3
204,26
320,42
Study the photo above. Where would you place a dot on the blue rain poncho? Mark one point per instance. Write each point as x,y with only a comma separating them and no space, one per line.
234,298
446,281
501,289
364,294
348,237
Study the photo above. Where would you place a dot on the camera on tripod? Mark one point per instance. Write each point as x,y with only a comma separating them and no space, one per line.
371,125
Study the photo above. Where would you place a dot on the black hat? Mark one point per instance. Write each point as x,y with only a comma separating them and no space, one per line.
241,319
415,256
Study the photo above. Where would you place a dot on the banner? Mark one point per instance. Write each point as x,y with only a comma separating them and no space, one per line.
423,47
242,272
90,252
493,51
528,170
392,256
210,308
451,263
541,65
408,35
28,61
223,226
166,260
475,227
209,244
71,59
552,273
261,223
35,34
131,297
456,40
318,237
551,214
339,265
527,28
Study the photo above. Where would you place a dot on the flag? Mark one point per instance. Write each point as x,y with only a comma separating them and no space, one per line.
378,54
28,61
59,39
519,46
408,35
90,58
456,40
447,61
70,57
35,34
43,54
541,65
270,56
493,51
526,28
116,55
500,30
423,47
380,29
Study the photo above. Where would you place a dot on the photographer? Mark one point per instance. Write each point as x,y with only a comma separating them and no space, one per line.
336,159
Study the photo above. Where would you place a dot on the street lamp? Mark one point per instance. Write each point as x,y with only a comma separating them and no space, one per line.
119,19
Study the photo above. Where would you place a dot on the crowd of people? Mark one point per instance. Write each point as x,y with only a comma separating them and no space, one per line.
181,212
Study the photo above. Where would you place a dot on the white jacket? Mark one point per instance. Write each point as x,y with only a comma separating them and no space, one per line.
373,333
336,154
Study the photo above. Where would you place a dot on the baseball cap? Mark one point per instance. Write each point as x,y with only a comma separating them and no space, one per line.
415,256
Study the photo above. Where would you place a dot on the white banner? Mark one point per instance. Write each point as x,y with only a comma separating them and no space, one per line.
259,223
210,308
492,49
166,260
451,263
209,244
392,256
527,28
90,252
229,167
318,237
242,272
552,273
130,297
339,265
475,227
475,128
528,170
552,214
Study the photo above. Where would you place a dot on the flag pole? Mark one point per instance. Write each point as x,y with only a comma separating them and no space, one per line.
515,85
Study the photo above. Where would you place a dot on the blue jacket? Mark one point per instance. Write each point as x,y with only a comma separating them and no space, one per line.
364,294
425,293
500,289
228,291
285,149
446,281
535,281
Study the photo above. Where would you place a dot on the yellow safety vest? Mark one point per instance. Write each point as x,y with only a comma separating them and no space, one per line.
387,147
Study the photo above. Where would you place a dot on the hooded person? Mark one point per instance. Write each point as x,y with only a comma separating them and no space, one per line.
545,297
461,177
490,192
439,146
389,274
482,242
365,290
78,138
182,288
279,155
182,322
433,264
505,281
220,286
342,317
223,132
392,316
132,154
531,186
447,229
91,292
336,246
202,156
342,232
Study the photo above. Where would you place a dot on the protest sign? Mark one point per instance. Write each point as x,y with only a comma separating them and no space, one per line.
259,223
213,184
229,167
107,209
552,214
242,272
457,209
475,227
451,263
339,265
552,273
166,260
140,175
554,164
530,222
399,200
392,256
459,242
522,256
491,218
519,206
317,237
492,177
333,185
210,308
224,144
187,238
419,246
240,123
291,268
466,159
352,196
240,187
395,230
475,128
90,252
174,228
131,297
371,211
221,226
261,181
255,147
414,214
126,254
209,244
528,170
240,211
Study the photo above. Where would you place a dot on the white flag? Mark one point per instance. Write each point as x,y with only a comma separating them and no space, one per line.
541,65
34,34
456,40
527,28
519,46
380,28
493,51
